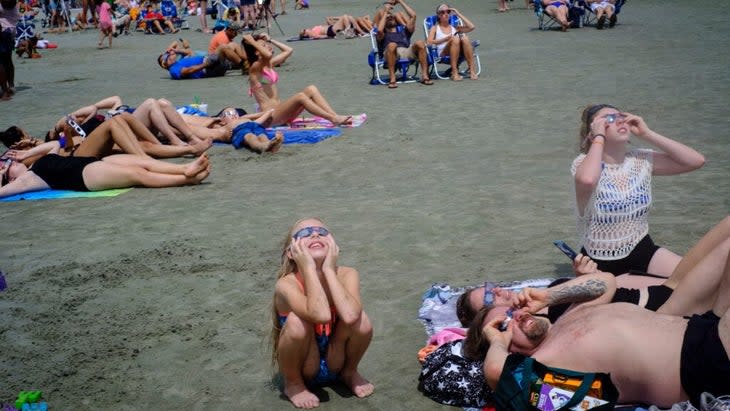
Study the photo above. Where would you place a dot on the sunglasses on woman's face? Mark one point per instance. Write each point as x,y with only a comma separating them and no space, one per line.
308,231
488,293
611,118
229,114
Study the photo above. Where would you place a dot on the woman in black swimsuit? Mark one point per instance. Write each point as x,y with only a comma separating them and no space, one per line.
91,174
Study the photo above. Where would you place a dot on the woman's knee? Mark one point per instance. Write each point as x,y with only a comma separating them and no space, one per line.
163,102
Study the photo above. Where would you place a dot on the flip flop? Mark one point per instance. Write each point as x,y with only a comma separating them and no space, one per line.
427,82
392,85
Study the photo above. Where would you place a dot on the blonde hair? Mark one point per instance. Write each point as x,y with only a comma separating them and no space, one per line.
586,118
288,265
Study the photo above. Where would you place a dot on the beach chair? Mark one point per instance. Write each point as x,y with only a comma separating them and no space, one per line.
589,17
546,21
376,61
169,10
433,55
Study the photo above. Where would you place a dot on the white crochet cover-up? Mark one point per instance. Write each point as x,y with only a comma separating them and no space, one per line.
616,217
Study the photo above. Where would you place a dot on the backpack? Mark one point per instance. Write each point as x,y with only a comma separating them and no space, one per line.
449,378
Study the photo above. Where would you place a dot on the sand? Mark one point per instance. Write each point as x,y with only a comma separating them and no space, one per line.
159,298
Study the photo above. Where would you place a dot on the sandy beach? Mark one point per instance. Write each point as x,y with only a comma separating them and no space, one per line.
160,298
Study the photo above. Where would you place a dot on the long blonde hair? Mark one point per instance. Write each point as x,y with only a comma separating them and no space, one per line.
288,265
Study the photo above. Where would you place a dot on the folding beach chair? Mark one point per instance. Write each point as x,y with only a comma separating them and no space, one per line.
546,21
433,55
589,17
169,10
376,61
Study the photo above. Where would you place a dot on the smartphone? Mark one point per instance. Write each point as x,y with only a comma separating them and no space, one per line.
565,248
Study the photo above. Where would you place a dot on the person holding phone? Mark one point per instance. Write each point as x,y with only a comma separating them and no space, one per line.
613,189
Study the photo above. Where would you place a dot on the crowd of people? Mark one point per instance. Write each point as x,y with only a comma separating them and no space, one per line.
628,293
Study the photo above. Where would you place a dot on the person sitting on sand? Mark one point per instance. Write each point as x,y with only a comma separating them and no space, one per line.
320,331
262,79
344,24
648,292
91,174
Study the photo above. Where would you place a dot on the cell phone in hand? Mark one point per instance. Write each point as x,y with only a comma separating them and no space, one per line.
565,248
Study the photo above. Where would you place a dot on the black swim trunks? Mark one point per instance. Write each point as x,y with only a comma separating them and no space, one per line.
63,173
704,363
638,260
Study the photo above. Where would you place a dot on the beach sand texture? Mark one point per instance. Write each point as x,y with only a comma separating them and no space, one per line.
160,299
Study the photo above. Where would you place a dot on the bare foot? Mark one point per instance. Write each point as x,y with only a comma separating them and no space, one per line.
276,142
342,120
300,396
473,75
457,77
5,97
200,164
201,147
358,385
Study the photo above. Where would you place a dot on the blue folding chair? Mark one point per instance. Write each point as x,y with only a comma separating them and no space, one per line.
433,55
169,10
376,61
590,18
546,21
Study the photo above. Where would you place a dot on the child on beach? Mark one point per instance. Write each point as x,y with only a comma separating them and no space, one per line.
106,28
320,331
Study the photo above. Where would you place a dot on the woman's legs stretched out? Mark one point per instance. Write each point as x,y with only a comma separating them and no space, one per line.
309,99
100,142
154,115
125,170
149,143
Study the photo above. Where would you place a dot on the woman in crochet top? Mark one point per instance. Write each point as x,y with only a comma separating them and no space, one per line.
613,189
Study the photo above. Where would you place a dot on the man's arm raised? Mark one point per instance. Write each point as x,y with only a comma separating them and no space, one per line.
595,288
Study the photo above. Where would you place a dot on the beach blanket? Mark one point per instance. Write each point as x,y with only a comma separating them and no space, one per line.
56,194
302,130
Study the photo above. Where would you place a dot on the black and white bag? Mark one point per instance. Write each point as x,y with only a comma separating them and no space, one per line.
449,378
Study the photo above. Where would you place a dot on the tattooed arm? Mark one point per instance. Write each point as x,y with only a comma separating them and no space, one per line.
594,288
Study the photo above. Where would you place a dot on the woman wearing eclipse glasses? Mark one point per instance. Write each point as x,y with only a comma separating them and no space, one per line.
613,189
320,331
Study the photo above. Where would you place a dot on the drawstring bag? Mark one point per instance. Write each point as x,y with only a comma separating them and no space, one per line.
526,384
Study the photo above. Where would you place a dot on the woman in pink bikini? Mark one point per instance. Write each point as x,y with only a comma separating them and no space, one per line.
320,331
262,79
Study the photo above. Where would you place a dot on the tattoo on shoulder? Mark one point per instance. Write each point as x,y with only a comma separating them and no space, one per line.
587,291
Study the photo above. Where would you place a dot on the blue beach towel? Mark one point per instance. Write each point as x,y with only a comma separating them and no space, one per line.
291,135
56,194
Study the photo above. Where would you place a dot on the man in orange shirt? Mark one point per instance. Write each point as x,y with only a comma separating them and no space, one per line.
222,43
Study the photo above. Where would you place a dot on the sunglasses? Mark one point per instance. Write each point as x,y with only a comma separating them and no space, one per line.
444,11
5,178
611,118
488,293
229,114
308,231
505,323
77,128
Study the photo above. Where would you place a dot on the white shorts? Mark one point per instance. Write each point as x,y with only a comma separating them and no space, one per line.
600,5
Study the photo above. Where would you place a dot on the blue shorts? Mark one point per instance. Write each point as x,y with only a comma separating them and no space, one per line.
239,133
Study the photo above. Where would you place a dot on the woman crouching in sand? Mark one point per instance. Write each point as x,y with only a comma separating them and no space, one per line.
320,331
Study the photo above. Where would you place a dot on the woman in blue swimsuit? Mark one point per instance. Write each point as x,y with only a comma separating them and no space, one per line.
558,9
320,331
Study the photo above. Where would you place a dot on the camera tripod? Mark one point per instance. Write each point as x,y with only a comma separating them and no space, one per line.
265,12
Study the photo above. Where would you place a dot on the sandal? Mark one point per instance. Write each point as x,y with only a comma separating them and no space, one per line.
427,82
392,85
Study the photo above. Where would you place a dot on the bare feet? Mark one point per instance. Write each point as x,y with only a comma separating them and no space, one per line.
199,165
201,147
198,178
457,77
342,120
473,75
358,385
300,396
5,97
276,142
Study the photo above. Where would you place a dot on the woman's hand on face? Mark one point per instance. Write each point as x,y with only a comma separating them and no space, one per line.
636,124
16,155
300,254
598,126
333,251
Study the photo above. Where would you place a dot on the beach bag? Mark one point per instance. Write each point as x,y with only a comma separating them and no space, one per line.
447,377
526,384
